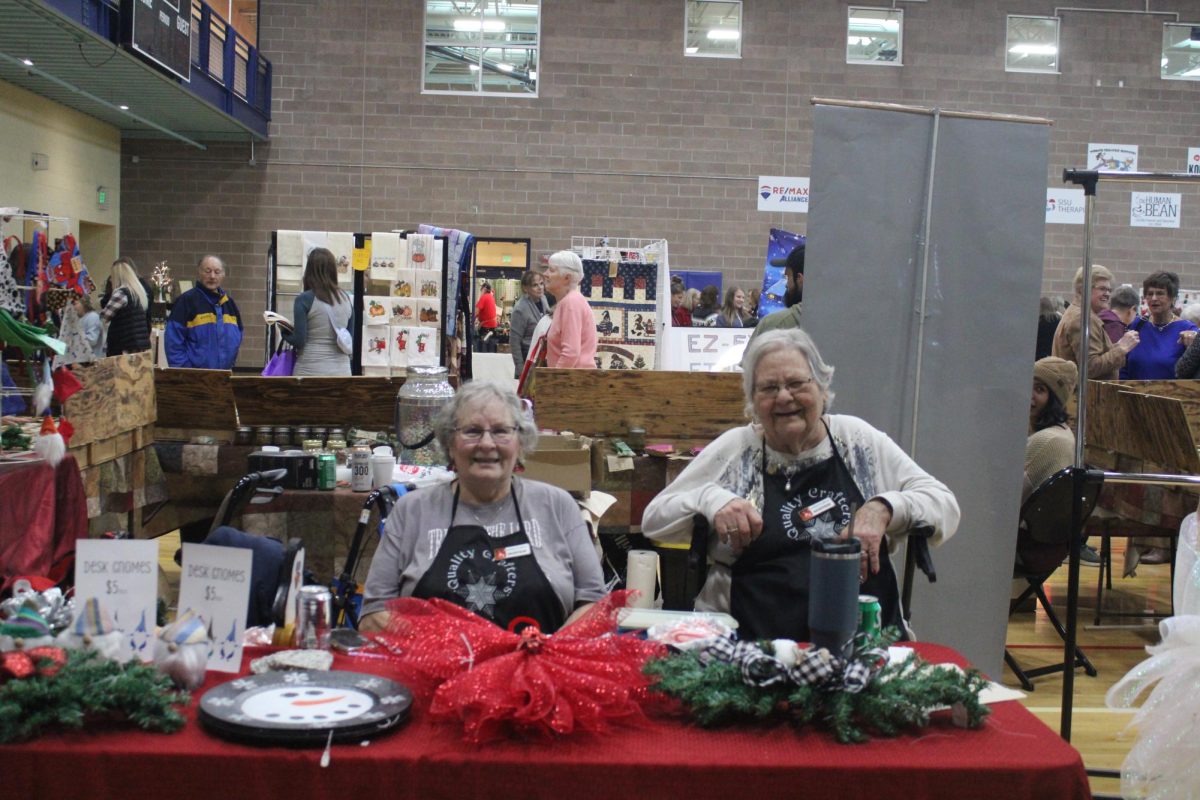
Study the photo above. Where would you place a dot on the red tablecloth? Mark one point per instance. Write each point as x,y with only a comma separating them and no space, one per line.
43,510
1013,756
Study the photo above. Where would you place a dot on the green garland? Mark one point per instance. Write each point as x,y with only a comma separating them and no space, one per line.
89,687
898,697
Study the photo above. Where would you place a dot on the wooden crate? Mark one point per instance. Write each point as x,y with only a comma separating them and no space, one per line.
117,397
99,451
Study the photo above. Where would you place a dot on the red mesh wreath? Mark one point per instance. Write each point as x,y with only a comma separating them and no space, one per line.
497,681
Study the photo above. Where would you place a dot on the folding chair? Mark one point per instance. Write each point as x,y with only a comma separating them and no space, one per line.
1043,541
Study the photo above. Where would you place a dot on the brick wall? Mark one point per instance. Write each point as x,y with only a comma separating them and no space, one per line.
630,138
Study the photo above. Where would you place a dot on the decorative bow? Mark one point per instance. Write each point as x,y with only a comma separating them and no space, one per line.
45,661
816,667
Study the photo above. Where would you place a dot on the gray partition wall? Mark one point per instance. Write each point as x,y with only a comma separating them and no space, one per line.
935,344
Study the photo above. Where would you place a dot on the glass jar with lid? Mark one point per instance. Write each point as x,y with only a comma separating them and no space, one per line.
425,391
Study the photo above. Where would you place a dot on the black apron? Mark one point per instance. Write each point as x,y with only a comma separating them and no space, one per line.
769,593
498,577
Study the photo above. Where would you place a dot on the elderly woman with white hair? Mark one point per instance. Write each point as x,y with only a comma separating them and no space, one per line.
795,475
514,551
1104,357
571,341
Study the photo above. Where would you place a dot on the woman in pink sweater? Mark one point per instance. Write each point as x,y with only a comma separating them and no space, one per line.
571,342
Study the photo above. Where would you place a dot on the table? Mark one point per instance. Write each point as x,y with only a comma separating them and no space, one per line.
1013,755
43,511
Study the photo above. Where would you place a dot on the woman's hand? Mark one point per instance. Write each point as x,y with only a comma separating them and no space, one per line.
1186,338
869,524
375,622
737,524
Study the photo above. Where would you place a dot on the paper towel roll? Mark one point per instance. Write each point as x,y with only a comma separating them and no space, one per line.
641,573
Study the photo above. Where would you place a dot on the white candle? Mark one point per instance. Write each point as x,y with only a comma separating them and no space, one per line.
641,573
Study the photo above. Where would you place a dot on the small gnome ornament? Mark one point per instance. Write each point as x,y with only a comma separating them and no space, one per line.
25,630
50,444
93,629
181,650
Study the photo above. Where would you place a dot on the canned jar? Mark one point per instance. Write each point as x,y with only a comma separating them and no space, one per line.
425,391
264,434
244,435
283,436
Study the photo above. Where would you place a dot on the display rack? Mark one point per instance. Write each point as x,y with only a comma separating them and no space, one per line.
636,332
362,283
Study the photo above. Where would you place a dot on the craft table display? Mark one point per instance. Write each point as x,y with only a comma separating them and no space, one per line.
42,513
1012,755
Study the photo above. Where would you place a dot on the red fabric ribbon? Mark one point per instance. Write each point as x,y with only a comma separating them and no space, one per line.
40,660
496,681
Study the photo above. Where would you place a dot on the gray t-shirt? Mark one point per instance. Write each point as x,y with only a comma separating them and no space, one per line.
417,526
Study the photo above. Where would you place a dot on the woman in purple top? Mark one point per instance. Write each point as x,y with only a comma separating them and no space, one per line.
1161,343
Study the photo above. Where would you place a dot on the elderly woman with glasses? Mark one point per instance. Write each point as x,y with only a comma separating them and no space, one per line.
571,341
514,551
796,474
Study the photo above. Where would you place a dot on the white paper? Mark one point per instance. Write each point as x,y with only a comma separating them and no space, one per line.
1193,160
1064,206
215,583
289,249
123,575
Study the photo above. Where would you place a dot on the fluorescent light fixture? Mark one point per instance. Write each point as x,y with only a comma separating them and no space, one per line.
876,22
690,50
504,67
724,34
489,25
27,62
123,107
474,68
1034,50
533,74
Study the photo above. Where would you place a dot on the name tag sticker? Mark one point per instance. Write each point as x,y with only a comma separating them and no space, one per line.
816,509
516,551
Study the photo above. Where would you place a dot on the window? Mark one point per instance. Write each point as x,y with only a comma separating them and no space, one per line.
712,29
1181,51
1031,44
875,36
478,47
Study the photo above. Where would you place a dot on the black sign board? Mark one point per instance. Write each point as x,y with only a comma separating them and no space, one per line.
161,32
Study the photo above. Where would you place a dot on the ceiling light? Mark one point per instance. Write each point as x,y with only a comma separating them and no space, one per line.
474,68
690,50
533,74
489,25
504,67
1034,50
27,62
123,107
724,34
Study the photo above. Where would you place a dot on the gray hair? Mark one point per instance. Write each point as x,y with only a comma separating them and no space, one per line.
1126,297
568,262
472,395
1191,312
794,339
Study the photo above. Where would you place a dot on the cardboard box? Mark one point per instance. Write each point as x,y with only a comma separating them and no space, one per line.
564,461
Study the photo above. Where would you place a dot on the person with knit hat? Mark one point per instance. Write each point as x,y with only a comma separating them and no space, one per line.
1105,358
1051,443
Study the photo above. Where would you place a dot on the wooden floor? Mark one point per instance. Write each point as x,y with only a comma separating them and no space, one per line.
1114,647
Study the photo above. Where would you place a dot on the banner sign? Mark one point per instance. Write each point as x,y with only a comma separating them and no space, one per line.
1193,161
1064,206
1154,210
704,349
1113,157
777,193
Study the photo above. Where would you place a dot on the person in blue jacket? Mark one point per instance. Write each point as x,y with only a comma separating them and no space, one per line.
204,330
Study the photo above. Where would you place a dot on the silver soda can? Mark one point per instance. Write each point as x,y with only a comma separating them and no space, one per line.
314,618
360,469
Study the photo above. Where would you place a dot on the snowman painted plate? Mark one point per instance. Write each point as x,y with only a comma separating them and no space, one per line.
302,707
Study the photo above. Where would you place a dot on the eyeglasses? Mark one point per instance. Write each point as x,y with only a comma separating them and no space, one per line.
772,390
501,434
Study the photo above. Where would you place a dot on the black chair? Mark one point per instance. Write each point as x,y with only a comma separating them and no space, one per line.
1043,541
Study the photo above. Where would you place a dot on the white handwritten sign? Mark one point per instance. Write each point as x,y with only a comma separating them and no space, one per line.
215,583
123,575
1154,210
